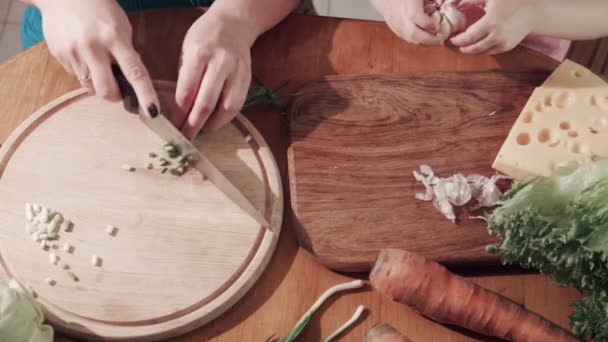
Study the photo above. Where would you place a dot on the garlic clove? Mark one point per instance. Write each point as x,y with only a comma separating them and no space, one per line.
437,18
456,18
445,29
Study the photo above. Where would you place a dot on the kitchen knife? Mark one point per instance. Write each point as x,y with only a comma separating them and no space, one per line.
169,133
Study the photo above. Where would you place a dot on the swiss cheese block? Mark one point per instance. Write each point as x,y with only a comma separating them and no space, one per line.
572,75
557,126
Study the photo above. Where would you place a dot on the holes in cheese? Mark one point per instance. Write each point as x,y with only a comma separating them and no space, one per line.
575,147
577,74
554,143
523,139
548,100
564,99
600,101
557,126
544,135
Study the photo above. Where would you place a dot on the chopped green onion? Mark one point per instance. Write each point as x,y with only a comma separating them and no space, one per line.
164,162
152,155
66,226
164,170
173,154
171,148
73,276
183,160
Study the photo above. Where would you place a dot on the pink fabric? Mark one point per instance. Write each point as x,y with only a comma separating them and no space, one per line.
553,47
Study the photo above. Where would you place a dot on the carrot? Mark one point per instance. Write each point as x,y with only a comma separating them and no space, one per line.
438,294
384,333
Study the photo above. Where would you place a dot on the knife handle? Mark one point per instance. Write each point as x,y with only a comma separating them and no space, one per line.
129,98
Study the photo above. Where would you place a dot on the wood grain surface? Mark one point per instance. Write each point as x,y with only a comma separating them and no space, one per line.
301,49
182,253
356,140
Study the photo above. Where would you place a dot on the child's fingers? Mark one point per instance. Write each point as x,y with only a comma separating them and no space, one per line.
504,46
496,50
425,22
487,43
415,10
473,33
417,35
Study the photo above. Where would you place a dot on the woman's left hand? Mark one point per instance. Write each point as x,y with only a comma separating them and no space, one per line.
505,24
215,73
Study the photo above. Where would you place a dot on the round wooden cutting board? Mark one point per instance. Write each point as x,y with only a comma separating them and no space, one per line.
183,252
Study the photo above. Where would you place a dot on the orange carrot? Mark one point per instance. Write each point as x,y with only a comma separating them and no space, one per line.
437,293
384,333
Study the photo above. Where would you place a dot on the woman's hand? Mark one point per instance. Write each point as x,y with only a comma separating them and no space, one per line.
407,19
87,37
215,72
503,26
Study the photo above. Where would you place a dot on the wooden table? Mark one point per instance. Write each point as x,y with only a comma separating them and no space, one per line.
302,48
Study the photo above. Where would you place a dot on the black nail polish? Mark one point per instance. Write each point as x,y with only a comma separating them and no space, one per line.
153,110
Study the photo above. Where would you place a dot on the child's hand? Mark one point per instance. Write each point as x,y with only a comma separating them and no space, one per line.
215,73
87,37
505,24
406,18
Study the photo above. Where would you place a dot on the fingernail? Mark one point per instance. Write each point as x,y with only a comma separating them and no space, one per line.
153,110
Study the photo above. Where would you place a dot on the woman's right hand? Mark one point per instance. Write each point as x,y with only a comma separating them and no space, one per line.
406,18
87,37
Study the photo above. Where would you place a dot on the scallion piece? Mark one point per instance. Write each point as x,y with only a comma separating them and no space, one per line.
73,276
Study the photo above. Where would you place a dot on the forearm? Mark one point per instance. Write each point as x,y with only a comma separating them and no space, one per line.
569,19
258,15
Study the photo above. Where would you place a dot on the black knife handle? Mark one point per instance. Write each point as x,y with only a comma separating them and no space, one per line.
129,98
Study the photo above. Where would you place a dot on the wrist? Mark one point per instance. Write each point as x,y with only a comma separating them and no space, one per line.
38,3
245,29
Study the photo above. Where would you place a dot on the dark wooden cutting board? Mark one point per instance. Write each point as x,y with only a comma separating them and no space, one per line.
355,141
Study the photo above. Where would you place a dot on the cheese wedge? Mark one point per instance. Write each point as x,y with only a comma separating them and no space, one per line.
572,75
557,126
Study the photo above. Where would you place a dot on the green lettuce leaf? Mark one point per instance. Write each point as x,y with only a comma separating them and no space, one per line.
559,226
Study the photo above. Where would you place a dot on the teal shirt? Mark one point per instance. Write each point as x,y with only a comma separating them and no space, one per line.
31,25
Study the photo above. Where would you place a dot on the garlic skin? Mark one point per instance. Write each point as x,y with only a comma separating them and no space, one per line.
446,16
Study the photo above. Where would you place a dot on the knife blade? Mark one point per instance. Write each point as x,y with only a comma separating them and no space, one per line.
162,127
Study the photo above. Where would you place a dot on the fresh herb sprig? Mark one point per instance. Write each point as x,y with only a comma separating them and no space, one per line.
175,162
261,94
303,322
